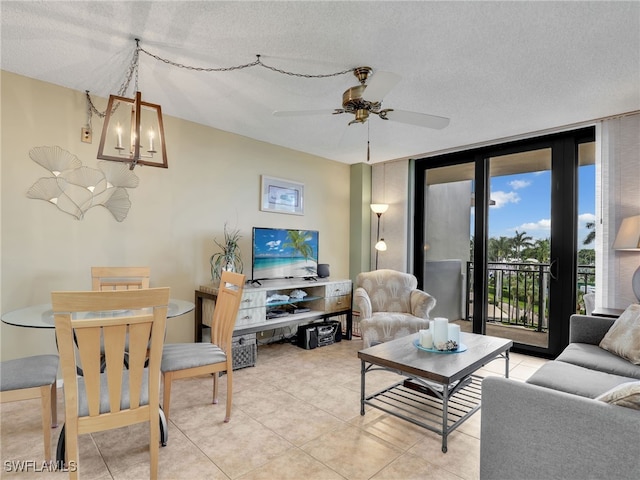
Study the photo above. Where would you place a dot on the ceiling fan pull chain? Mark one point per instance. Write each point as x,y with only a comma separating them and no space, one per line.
368,148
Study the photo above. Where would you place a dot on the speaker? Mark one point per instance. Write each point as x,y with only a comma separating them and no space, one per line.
323,270
307,337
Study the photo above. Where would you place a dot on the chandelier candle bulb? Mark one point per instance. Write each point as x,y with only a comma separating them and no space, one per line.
118,137
151,136
440,333
426,339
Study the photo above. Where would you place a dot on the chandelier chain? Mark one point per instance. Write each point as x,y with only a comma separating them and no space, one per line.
257,62
89,110
132,73
124,86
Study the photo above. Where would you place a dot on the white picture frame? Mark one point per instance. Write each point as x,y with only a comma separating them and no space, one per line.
281,196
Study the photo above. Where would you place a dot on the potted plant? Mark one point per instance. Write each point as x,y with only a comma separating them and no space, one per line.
229,258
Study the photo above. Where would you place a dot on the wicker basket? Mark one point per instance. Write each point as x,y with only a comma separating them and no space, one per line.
244,350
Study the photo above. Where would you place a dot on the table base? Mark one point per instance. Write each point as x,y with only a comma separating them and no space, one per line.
427,404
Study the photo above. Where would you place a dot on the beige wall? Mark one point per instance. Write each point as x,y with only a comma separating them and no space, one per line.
213,178
390,184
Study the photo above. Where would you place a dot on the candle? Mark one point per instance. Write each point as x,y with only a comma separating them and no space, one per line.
426,340
440,333
454,334
151,136
118,136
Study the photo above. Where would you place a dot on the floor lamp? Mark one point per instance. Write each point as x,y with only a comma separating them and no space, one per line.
380,246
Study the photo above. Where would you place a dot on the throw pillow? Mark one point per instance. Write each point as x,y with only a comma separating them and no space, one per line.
624,395
623,338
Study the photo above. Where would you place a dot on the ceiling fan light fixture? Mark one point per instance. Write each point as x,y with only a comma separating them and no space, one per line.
361,116
352,97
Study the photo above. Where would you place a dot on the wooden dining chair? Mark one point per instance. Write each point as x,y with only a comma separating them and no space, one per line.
119,278
30,378
182,360
118,396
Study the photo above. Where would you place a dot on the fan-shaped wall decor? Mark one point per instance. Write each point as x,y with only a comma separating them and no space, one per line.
54,159
74,189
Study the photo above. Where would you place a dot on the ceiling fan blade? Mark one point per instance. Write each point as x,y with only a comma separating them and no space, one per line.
415,118
300,113
379,85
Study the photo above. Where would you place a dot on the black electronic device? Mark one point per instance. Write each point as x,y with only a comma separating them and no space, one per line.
284,253
300,310
323,270
307,337
277,313
319,334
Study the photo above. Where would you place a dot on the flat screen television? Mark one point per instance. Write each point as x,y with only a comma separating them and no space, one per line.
284,253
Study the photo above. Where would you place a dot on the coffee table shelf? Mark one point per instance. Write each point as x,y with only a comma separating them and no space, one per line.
421,405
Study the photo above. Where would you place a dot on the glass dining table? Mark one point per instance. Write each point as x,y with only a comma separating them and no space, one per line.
41,316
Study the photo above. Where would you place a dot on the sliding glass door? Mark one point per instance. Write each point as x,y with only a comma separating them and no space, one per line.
496,238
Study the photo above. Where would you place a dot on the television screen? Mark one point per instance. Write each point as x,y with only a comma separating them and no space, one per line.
284,253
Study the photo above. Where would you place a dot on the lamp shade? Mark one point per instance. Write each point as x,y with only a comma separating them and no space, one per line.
379,208
628,237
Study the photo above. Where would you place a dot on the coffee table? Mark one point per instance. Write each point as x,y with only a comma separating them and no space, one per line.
437,391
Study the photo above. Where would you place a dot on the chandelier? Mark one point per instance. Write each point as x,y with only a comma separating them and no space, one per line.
133,131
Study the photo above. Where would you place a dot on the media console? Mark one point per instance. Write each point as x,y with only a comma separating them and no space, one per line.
264,307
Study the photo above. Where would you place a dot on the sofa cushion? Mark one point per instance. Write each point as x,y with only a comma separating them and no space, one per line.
623,338
625,395
575,379
595,358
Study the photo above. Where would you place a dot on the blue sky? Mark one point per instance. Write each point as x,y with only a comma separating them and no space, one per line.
523,203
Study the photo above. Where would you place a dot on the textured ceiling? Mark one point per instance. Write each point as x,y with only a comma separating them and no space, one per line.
496,69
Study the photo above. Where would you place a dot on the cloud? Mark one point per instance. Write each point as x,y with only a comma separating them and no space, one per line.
273,244
541,225
585,218
517,184
503,198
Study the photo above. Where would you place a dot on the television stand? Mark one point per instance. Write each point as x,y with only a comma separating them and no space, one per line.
325,299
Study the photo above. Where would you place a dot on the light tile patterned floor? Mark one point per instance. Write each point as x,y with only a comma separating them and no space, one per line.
296,415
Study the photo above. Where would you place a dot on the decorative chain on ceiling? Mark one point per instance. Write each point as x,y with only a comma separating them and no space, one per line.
132,71
257,63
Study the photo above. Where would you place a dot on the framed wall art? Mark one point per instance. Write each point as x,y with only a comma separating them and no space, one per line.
282,196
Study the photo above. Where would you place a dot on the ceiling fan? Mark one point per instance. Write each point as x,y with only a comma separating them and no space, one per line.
366,99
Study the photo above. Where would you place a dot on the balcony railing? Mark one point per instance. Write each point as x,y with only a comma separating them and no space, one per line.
519,293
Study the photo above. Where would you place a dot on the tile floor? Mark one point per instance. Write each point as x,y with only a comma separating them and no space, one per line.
296,414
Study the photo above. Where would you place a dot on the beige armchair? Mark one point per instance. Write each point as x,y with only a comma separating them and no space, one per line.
390,305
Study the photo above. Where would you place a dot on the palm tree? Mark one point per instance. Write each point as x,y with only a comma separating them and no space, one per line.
520,241
591,236
540,250
297,239
499,248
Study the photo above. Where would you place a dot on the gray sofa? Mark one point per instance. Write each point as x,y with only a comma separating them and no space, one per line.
551,426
